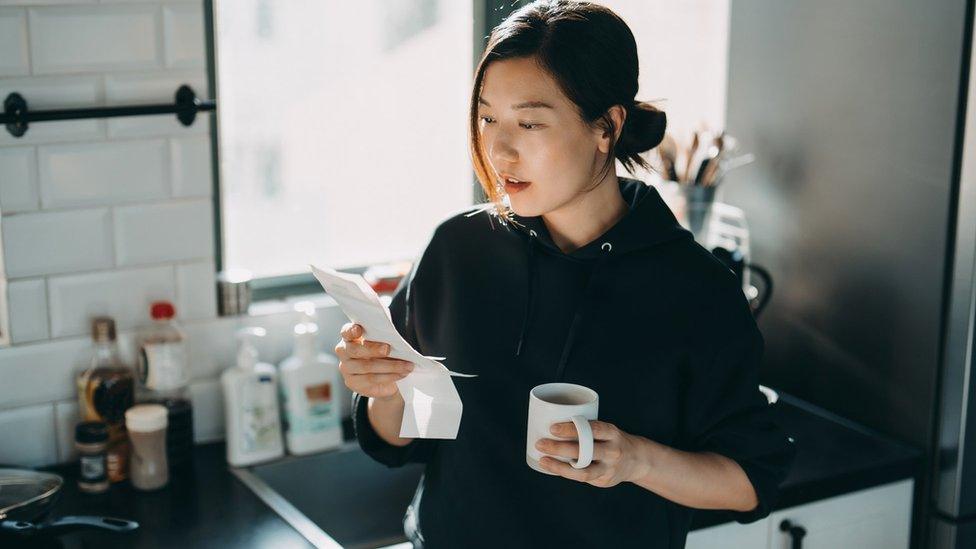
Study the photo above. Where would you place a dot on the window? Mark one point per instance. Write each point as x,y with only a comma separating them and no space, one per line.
342,130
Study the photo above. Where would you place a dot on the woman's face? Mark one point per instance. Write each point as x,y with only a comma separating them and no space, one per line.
532,132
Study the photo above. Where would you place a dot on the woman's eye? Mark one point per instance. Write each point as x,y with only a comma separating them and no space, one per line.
489,120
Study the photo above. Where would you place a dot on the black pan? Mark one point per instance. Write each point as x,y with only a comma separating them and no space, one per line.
27,496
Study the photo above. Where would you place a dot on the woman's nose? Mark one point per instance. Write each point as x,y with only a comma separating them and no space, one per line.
500,151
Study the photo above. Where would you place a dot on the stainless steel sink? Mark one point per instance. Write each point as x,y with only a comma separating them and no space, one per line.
340,498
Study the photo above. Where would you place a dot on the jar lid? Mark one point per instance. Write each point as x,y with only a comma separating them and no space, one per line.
91,432
162,310
146,417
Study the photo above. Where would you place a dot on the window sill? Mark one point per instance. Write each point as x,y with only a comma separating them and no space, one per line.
321,300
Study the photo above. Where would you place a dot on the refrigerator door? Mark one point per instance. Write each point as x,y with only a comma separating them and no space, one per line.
946,534
954,486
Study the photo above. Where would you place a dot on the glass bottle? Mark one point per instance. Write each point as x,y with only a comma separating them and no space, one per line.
105,391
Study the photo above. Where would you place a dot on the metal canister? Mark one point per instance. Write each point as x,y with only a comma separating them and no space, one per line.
233,292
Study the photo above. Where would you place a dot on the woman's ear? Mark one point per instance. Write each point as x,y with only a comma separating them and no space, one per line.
618,114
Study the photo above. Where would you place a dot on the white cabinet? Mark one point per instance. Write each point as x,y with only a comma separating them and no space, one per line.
878,517
731,535
872,518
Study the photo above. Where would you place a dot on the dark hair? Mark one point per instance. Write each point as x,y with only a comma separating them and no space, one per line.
591,54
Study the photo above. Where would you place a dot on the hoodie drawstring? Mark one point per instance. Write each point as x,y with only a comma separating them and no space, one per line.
530,244
581,306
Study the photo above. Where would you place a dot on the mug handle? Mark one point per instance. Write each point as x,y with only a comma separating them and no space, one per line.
585,442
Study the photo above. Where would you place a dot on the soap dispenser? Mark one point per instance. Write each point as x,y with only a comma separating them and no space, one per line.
251,405
309,382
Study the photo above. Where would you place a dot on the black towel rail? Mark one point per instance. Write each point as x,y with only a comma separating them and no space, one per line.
16,116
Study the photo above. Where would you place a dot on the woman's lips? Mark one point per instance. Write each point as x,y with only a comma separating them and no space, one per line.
512,188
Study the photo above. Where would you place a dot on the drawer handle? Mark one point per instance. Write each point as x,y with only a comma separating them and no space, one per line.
796,533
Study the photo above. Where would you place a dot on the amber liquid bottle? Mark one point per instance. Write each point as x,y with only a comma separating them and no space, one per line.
105,391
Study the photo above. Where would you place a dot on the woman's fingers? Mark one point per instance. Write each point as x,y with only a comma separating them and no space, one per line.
351,331
570,448
367,349
364,364
355,366
381,379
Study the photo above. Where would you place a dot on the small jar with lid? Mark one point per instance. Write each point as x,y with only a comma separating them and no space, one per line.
91,441
146,424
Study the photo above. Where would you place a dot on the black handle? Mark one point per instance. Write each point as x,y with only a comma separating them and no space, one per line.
796,533
64,525
186,105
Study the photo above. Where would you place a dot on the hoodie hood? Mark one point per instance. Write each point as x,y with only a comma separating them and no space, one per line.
648,223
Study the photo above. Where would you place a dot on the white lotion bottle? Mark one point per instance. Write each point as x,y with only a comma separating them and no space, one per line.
309,382
251,405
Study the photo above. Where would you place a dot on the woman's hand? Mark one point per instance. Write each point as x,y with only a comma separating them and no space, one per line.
364,366
617,456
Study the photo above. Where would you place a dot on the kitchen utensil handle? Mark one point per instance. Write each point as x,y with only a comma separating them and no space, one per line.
74,523
585,437
796,533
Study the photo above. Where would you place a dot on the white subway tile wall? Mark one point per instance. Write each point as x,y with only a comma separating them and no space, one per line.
102,216
76,39
170,231
57,242
27,305
18,173
124,294
111,172
190,157
13,42
29,436
65,419
195,284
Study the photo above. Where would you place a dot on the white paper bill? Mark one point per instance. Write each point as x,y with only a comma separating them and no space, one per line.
432,404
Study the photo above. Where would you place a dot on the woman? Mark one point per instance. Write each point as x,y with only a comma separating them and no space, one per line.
572,274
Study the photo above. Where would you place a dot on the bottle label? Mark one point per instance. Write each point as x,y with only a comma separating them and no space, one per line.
93,468
259,422
105,398
163,366
319,413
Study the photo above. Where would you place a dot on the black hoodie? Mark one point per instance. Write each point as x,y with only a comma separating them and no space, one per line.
643,315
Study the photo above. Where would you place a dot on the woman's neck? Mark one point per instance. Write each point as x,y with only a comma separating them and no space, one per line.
587,217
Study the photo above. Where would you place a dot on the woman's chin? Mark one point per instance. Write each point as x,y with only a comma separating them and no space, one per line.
522,209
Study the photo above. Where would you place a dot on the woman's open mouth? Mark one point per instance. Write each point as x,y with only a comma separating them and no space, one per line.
513,186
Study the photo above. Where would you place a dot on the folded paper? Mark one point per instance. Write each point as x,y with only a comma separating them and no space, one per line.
432,406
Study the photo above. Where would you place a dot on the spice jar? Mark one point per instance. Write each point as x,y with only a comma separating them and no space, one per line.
146,424
91,440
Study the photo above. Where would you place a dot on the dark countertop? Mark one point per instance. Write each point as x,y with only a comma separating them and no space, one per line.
835,456
207,506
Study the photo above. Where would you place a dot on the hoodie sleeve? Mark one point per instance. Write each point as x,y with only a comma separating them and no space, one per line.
723,409
402,311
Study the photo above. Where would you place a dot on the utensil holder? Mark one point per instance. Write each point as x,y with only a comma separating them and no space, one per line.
698,208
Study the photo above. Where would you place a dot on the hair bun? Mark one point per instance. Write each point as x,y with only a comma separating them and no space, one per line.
643,129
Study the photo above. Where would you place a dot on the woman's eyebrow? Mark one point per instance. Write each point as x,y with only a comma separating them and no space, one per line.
525,105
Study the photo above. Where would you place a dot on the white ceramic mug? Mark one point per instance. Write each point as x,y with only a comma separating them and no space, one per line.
552,403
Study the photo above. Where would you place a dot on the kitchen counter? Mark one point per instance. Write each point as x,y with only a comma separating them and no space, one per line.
208,506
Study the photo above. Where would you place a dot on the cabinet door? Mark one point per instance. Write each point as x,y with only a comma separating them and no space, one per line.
731,536
872,518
